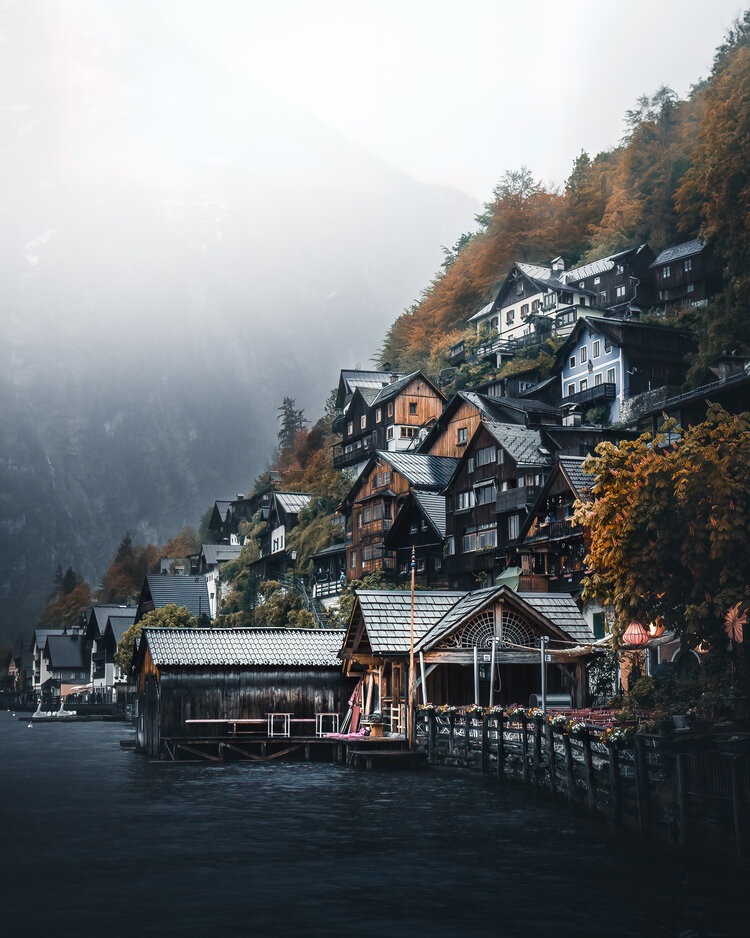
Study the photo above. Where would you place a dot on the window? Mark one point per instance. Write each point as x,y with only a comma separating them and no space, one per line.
350,427
486,537
584,384
421,565
598,625
598,379
688,263
595,348
359,520
486,455
534,306
519,287
408,432
382,479
353,559
378,415
582,285
470,465
390,409
550,300
450,546
603,297
691,288
572,362
584,354
389,434
363,422
469,544
513,527
494,322
597,281
464,500
607,346
571,389
437,563
620,269
620,290
566,297
462,436
485,494
524,311
610,376
665,271
412,408
510,317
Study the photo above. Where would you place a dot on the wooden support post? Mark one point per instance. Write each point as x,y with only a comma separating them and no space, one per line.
643,793
737,807
537,748
614,783
570,780
430,735
485,744
451,733
501,747
525,746
307,752
552,758
682,812
588,763
467,735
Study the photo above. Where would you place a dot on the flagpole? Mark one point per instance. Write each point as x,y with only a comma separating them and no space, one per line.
411,653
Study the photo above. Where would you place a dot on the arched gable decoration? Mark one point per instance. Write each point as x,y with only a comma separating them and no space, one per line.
480,630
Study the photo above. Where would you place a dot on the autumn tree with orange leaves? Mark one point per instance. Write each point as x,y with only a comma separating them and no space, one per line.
667,527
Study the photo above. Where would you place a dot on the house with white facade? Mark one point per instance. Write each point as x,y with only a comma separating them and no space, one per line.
608,361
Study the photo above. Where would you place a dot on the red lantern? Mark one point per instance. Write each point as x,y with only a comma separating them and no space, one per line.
636,636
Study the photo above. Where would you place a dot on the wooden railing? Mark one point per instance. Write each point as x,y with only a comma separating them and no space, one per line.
689,798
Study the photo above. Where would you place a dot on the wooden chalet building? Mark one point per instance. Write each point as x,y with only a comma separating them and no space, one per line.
102,665
546,299
233,674
376,497
605,361
454,636
280,520
687,275
228,514
419,525
160,590
66,664
386,418
498,478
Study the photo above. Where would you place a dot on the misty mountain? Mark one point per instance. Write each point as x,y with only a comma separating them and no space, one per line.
172,265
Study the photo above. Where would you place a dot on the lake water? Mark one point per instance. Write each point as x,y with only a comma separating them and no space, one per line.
97,841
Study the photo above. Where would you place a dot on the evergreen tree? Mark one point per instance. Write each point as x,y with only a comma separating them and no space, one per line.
292,421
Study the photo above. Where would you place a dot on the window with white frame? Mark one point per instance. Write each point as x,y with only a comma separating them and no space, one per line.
688,263
620,291
691,288
524,311
610,376
514,526
464,500
597,281
378,414
571,389
486,493
595,348
462,435
665,271
584,384
350,427
584,354
598,378
450,546
363,422
510,317
572,361
486,455
389,433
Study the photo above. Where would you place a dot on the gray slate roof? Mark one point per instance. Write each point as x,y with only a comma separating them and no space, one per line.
190,591
420,470
292,502
66,651
41,636
561,610
304,648
677,251
580,481
218,553
466,606
433,508
394,387
102,612
522,443
388,612
120,624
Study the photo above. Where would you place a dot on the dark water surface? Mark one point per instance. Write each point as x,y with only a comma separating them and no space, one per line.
97,841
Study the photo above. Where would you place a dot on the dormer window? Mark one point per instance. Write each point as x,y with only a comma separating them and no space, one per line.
462,436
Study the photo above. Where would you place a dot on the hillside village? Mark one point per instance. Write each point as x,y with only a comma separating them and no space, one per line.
474,489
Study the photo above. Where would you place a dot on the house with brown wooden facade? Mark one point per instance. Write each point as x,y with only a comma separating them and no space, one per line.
390,418
375,499
481,647
686,275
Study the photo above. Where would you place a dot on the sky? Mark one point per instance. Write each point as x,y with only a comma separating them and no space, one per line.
452,94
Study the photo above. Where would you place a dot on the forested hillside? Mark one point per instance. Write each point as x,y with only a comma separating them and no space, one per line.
682,169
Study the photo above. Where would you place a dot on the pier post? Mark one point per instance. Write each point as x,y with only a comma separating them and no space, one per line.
569,774
642,788
614,783
550,733
485,744
525,746
501,747
430,734
588,763
451,733
537,749
467,735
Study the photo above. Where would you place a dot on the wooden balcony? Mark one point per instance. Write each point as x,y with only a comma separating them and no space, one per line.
519,497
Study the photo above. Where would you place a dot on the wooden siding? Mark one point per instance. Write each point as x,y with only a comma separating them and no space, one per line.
233,693
372,534
446,444
429,405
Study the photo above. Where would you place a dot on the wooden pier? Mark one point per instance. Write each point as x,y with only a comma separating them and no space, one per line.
264,748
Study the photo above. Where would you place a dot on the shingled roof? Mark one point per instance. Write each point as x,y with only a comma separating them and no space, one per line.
387,616
420,470
562,611
572,467
66,652
523,444
303,648
164,590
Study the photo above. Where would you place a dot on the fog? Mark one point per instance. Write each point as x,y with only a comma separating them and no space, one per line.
205,207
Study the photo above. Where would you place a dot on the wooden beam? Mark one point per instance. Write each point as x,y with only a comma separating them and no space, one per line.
198,752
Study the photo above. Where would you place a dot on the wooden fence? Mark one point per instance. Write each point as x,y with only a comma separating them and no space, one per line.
695,798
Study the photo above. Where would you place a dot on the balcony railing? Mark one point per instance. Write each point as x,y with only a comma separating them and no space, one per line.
600,392
553,531
517,498
353,452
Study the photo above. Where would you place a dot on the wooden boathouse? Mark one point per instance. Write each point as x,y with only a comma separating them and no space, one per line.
207,692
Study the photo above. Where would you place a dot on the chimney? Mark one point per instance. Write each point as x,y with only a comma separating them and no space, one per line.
571,416
393,378
558,265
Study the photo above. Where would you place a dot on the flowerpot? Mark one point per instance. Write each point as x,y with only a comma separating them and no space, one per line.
376,730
